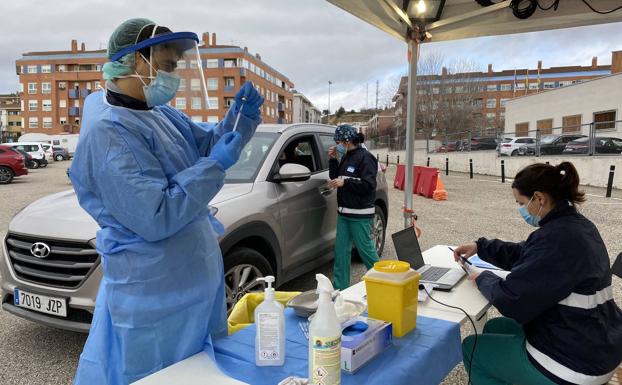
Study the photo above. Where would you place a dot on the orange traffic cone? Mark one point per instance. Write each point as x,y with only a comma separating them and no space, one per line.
440,194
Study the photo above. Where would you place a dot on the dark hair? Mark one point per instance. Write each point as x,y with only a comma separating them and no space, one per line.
146,34
561,182
358,139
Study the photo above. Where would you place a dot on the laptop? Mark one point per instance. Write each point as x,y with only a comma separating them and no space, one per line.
408,250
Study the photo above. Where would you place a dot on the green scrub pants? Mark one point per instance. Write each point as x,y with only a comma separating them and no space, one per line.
500,356
357,230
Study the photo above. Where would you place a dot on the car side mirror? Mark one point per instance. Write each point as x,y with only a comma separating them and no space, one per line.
292,172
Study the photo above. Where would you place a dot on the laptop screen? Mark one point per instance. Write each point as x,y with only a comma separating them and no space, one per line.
407,247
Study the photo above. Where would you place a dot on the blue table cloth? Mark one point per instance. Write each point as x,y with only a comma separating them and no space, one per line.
424,356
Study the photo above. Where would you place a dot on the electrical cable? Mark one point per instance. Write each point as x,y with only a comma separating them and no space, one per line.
470,319
523,9
601,12
554,5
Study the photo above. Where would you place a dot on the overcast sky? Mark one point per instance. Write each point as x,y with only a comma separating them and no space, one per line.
310,41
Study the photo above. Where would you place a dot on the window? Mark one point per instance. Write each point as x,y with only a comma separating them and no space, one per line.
212,84
549,85
491,116
459,89
533,86
195,84
506,87
436,90
571,123
605,120
229,102
522,129
33,105
196,103
194,64
300,151
545,126
181,64
76,103
46,69
503,102
213,103
32,69
46,88
47,122
230,63
229,82
182,85
565,83
63,120
33,122
62,85
197,118
88,86
32,88
491,87
520,86
21,87
46,105
180,103
212,63
62,103
61,68
212,119
491,103
98,84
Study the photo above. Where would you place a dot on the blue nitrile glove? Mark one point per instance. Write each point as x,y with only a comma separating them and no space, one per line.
250,107
227,150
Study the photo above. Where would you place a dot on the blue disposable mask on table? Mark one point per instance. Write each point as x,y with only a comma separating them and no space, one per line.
533,220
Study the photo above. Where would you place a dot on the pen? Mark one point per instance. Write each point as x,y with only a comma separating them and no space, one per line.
464,259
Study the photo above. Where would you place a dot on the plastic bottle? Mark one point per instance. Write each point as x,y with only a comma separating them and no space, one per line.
325,338
270,325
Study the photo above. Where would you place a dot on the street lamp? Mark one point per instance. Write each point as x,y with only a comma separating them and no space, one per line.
423,11
329,83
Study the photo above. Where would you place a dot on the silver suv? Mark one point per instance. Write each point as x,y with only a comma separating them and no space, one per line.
279,215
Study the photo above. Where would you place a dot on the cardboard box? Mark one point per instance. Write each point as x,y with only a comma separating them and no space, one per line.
358,350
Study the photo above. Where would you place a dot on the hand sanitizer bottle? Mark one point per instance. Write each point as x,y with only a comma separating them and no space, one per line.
325,338
270,326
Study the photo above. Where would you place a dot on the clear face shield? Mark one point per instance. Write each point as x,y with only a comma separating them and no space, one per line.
174,69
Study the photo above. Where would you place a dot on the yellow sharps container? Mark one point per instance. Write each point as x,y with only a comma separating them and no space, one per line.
392,290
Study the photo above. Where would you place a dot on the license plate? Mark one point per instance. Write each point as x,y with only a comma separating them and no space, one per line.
41,303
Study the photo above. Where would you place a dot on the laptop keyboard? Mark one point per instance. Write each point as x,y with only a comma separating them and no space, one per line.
433,273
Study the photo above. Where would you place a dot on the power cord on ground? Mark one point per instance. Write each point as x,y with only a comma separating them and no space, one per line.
470,319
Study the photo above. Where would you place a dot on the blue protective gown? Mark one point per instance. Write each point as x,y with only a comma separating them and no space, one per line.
145,178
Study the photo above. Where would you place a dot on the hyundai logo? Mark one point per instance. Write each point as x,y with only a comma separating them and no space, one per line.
40,250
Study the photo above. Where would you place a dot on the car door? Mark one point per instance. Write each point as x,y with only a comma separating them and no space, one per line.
302,206
330,224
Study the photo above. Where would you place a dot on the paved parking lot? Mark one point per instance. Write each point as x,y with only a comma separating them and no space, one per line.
33,354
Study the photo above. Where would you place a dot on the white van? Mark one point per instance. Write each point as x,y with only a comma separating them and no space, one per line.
36,150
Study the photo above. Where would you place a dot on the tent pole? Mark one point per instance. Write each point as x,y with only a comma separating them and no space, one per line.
410,129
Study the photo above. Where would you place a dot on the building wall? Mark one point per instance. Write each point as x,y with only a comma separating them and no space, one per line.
76,74
583,99
10,117
304,111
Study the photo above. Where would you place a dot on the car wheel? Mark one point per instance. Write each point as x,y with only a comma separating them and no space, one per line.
6,175
35,164
514,153
242,268
378,234
60,157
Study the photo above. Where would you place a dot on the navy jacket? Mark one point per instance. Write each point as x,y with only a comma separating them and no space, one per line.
559,289
358,168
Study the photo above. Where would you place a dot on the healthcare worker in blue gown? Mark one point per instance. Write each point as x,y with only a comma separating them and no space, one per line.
146,173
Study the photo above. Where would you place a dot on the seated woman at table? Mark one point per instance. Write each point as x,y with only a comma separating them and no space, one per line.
561,324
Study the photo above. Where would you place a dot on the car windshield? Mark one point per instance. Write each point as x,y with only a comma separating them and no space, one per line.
251,158
548,139
507,140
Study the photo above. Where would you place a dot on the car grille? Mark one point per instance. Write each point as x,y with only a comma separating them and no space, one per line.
67,266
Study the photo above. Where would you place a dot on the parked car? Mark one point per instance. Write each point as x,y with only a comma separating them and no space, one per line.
280,220
555,144
603,145
450,147
49,151
483,143
510,146
12,164
30,163
60,153
35,149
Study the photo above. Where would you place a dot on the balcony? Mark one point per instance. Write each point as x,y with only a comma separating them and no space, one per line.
74,111
74,93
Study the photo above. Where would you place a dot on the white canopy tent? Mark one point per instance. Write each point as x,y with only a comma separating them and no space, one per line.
462,19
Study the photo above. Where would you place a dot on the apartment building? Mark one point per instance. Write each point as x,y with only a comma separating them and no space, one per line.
304,111
493,89
54,84
10,118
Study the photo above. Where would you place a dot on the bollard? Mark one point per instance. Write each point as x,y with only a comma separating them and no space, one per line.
398,159
446,166
377,157
612,170
428,161
387,163
503,171
471,168
547,162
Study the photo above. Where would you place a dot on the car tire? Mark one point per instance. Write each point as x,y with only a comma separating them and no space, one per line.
59,157
6,175
35,164
379,233
514,153
246,265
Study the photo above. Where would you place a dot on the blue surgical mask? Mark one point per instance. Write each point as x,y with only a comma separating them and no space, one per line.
341,150
533,220
161,89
